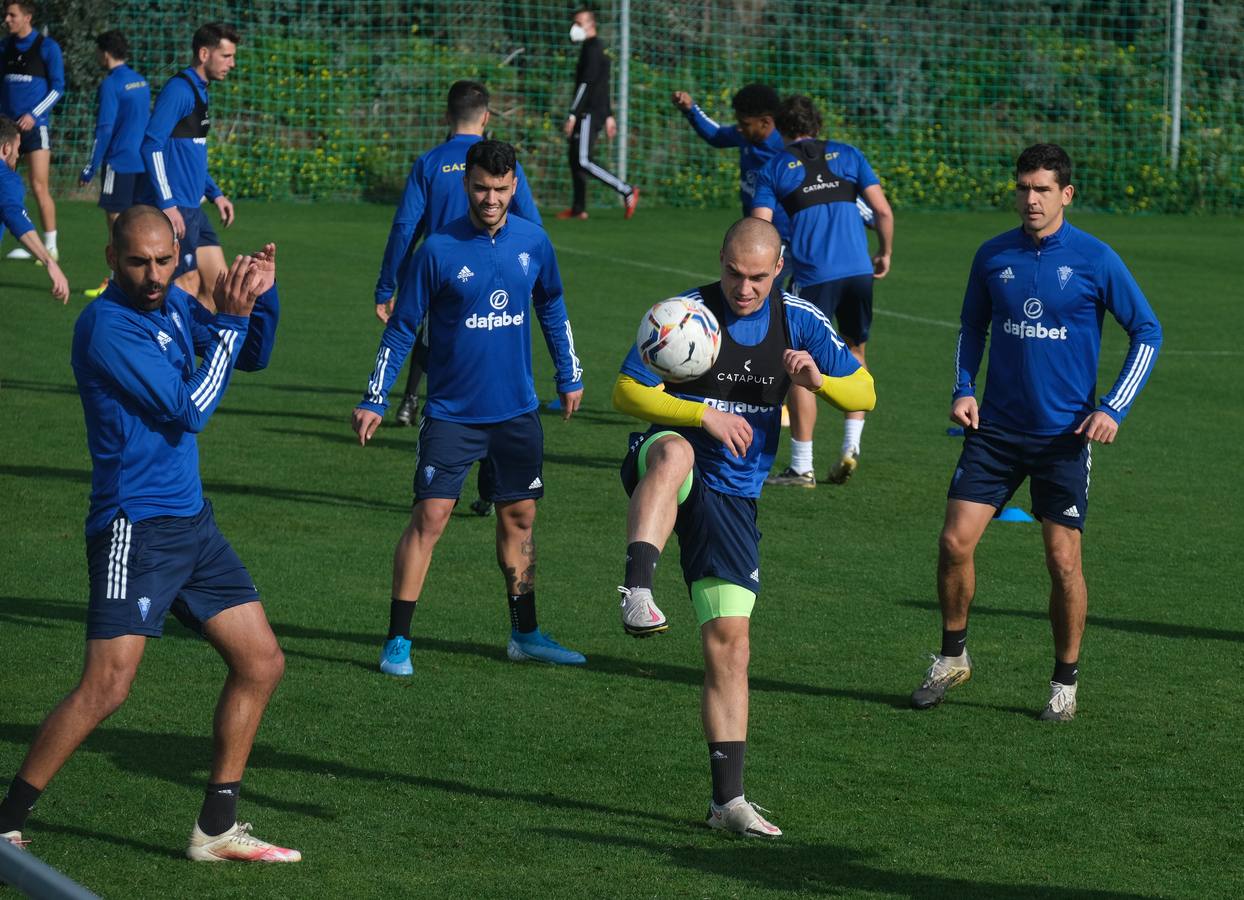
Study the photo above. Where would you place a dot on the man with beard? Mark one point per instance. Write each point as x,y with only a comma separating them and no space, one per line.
477,280
152,543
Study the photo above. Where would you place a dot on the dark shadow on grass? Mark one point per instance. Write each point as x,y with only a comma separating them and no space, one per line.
613,463
38,387
609,665
327,418
803,868
120,839
294,495
349,438
588,416
306,388
1134,626
168,756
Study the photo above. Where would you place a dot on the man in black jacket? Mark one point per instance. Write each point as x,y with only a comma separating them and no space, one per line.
591,110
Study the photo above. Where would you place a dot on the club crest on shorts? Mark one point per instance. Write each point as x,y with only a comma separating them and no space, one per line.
428,472
524,260
144,607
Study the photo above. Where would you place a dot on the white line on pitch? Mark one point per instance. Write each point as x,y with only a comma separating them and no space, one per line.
941,323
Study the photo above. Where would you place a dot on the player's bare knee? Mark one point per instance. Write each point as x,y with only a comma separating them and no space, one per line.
671,458
104,691
429,519
517,517
954,547
1063,562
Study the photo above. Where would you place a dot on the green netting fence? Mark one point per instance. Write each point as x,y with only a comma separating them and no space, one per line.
334,100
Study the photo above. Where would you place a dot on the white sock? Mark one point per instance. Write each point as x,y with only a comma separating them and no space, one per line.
801,456
851,431
49,239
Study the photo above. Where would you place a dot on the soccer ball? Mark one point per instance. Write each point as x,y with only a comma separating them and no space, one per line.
678,339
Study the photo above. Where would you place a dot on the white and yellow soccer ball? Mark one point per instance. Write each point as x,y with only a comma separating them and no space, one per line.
679,339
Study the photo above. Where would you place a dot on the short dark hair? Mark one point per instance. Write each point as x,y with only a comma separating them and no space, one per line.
494,157
584,9
1046,156
9,132
114,44
211,34
138,213
797,117
468,101
27,6
755,100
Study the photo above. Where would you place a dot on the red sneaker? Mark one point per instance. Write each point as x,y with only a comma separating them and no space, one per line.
571,214
632,201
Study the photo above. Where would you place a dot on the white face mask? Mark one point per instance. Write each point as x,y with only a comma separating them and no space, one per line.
578,34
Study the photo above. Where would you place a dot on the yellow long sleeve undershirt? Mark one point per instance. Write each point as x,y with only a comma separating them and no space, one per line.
850,393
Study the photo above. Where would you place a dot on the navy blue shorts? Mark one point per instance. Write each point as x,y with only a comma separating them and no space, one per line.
850,300
717,533
37,138
140,571
511,455
119,190
199,233
995,461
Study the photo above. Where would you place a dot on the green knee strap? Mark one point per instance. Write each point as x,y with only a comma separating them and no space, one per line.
715,598
642,466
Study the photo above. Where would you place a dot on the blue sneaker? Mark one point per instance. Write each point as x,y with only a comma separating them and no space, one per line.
395,657
539,646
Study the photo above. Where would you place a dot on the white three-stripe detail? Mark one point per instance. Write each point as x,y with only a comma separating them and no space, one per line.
1127,390
118,560
45,104
375,387
221,357
109,178
576,367
157,160
585,162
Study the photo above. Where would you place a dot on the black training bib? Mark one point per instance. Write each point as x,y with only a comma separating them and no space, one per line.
198,122
743,374
819,184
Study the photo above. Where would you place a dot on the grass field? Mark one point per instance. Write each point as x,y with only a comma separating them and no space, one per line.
479,777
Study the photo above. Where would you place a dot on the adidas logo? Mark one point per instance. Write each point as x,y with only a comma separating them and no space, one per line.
755,576
1007,274
535,484
164,340
717,754
465,274
1072,511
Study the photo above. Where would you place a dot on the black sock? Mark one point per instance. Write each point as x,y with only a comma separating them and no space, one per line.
17,804
523,612
220,808
1065,673
641,563
954,642
400,614
725,761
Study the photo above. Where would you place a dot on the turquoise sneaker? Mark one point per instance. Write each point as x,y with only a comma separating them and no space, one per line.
395,657
539,646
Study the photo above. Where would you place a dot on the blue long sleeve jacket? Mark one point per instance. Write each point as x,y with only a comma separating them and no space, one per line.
477,292
434,197
122,112
1045,306
145,395
177,166
21,94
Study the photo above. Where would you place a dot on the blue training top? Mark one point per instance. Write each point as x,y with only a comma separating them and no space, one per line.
177,166
124,108
13,215
1046,307
752,158
476,292
433,197
145,397
828,240
22,93
809,330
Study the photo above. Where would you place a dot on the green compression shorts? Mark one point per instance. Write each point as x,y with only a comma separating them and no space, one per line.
641,465
716,598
